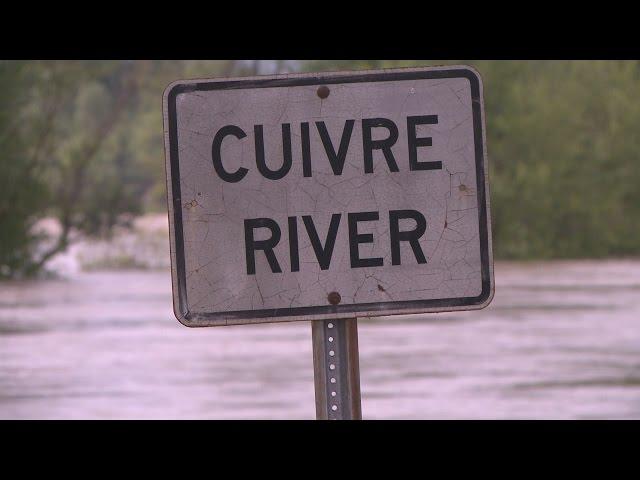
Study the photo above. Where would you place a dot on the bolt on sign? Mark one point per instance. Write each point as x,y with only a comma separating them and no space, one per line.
327,195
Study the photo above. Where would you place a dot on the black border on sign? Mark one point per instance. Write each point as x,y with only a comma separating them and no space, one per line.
328,79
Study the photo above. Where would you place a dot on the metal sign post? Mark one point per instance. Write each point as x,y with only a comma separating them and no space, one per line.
336,369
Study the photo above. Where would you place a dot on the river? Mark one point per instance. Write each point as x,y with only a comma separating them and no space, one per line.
560,340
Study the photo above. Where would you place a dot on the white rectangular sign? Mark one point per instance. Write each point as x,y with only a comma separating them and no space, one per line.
327,195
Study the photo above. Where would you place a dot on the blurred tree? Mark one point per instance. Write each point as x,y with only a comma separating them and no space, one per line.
81,142
22,192
62,114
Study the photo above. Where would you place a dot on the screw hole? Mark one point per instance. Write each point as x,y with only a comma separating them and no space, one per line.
323,91
334,298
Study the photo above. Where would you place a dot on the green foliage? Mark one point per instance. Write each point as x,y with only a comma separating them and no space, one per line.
82,142
22,192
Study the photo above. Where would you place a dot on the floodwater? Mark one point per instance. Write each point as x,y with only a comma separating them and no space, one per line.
560,340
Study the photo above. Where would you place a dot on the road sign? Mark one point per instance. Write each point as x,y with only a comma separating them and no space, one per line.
327,195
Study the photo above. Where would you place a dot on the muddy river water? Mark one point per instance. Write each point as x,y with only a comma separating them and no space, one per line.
560,340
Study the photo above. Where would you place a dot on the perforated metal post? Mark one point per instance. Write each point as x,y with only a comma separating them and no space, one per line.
336,369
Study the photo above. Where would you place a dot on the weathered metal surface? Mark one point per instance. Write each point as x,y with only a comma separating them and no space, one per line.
336,369
304,158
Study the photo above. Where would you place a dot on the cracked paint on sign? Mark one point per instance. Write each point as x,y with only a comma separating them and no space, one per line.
217,287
